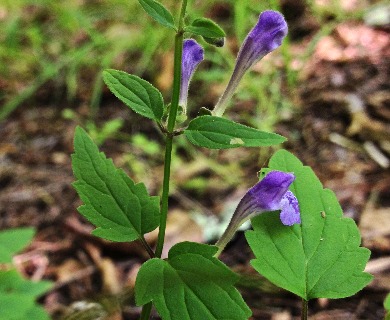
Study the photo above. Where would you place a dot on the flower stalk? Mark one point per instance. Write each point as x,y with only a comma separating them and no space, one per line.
146,309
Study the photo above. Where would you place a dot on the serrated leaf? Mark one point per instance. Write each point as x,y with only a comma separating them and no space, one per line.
190,285
17,297
14,240
158,12
120,209
206,28
220,133
138,94
322,257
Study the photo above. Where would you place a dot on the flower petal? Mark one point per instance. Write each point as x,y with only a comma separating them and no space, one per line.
266,36
265,195
191,57
290,213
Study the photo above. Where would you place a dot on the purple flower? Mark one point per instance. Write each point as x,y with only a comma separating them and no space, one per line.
191,57
269,194
266,36
289,209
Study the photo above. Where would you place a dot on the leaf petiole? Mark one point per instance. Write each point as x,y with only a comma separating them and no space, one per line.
304,309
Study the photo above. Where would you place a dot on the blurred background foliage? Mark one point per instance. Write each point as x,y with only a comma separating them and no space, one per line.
69,43
53,52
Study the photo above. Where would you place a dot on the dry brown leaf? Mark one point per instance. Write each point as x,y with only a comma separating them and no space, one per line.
375,228
351,41
180,227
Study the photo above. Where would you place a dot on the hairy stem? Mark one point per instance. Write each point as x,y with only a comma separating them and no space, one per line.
304,309
145,314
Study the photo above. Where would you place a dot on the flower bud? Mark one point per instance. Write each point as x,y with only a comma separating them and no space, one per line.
266,36
191,57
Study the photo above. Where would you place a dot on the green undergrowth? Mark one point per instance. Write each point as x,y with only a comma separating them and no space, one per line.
68,44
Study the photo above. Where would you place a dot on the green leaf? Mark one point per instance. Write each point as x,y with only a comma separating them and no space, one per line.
217,42
12,282
158,12
322,257
190,285
386,303
17,297
120,209
37,313
14,240
14,306
220,133
136,93
206,28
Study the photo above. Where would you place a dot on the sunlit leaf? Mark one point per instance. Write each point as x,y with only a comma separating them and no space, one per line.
220,133
322,257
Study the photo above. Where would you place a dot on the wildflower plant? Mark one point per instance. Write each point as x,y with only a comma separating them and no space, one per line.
300,239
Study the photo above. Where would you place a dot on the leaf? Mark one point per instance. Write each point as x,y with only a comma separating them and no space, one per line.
220,133
386,303
158,12
320,258
14,306
206,28
191,284
37,313
217,42
14,240
120,209
17,297
136,93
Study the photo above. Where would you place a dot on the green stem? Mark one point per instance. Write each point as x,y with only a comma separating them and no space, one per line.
147,247
164,197
226,237
170,128
176,76
146,309
304,309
